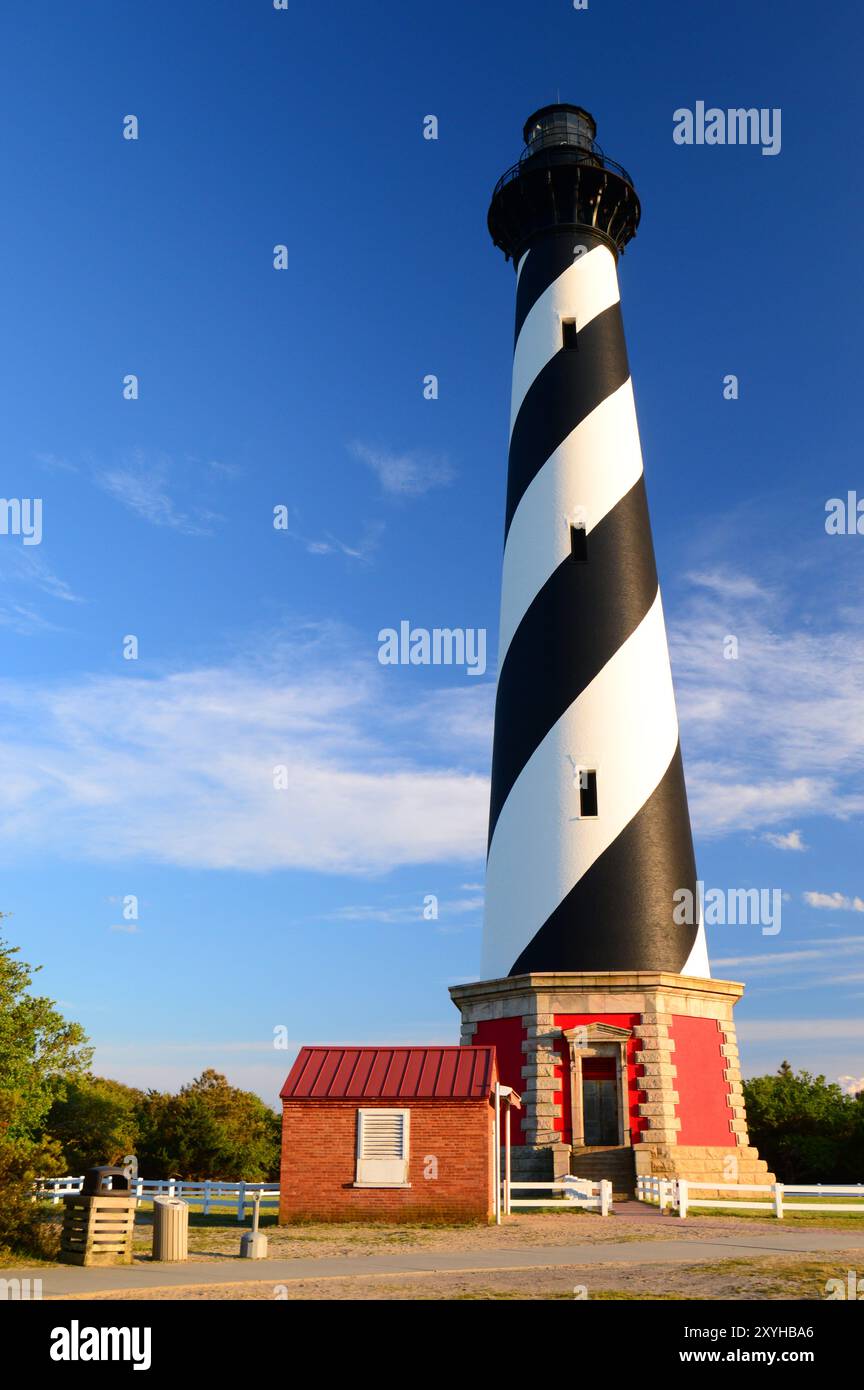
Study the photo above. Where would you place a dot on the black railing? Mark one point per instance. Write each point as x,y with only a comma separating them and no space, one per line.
593,157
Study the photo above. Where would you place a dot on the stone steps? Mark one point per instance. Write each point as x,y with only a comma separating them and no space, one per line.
616,1164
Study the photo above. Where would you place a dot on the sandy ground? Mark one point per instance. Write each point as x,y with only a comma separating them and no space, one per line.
765,1278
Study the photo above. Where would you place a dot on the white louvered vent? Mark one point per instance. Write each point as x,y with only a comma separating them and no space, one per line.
382,1147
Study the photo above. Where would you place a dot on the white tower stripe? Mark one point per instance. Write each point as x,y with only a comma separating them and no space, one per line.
593,469
584,290
532,866
697,961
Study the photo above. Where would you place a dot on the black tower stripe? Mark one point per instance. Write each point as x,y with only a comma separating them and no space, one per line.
548,259
630,885
572,384
576,623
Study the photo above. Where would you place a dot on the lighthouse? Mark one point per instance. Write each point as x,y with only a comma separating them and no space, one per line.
596,992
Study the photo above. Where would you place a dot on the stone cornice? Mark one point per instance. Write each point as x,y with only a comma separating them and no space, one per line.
611,981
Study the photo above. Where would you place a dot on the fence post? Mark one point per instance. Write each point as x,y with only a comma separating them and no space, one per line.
241,1201
664,1194
206,1196
778,1200
170,1187
605,1196
682,1197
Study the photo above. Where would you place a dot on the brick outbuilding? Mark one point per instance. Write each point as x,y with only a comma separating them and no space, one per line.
388,1133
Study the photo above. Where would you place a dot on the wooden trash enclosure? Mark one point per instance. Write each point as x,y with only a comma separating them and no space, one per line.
98,1222
98,1230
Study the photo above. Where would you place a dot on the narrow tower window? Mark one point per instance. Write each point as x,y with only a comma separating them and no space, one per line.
568,329
578,544
587,792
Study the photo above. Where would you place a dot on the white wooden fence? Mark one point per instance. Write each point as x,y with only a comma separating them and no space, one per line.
677,1193
659,1190
592,1196
205,1195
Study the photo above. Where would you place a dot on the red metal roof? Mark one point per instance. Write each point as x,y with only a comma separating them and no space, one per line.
391,1073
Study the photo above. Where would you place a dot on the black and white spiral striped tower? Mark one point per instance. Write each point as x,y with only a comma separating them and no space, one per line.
589,834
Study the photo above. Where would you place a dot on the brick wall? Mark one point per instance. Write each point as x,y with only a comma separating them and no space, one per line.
319,1145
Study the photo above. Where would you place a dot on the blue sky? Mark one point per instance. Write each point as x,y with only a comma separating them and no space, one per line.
302,908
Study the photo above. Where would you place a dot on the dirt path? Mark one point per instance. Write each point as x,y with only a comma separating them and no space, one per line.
742,1245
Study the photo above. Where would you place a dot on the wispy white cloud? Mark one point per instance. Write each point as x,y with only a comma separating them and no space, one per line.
792,841
721,802
179,769
836,902
25,576
773,959
27,569
224,470
362,550
147,483
815,966
777,732
834,942
393,914
728,584
406,474
799,1029
24,619
142,484
55,464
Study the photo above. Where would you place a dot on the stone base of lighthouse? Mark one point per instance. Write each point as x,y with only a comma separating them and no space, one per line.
622,1074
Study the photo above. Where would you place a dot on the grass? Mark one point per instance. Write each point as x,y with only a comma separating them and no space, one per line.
10,1260
599,1296
780,1279
562,1208
762,1279
837,1221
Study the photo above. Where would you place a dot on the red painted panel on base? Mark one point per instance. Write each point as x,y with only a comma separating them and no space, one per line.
703,1105
506,1035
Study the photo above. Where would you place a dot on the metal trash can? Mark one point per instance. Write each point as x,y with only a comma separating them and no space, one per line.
170,1229
253,1246
98,1223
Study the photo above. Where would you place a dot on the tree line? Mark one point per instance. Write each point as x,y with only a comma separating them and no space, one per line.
808,1129
57,1118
